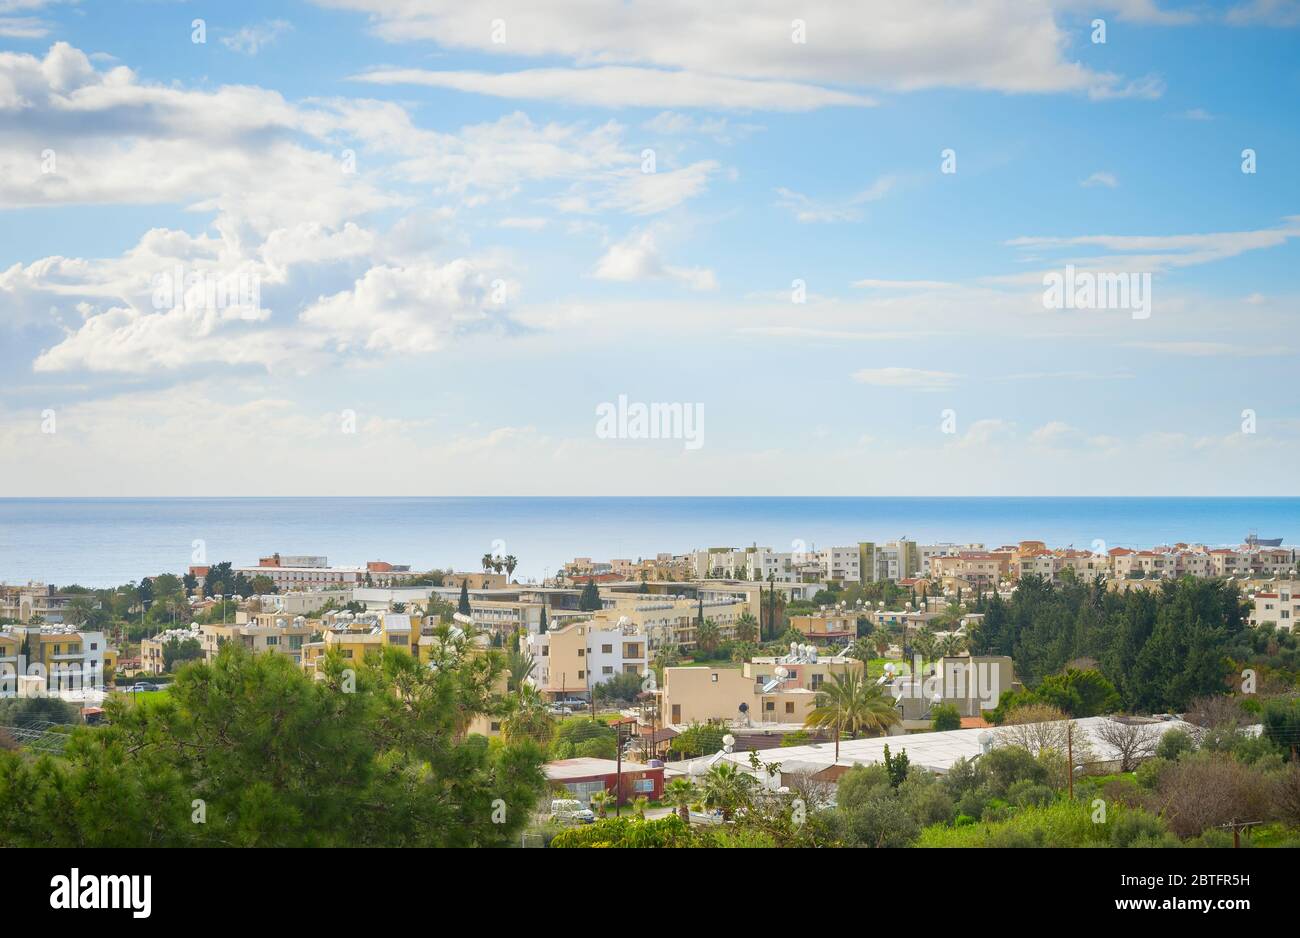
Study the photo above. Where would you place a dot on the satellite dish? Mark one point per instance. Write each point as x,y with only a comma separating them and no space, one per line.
782,673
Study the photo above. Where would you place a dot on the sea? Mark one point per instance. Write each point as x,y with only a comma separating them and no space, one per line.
100,542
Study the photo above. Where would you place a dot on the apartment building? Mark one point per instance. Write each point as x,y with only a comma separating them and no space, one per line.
34,600
765,691
1050,564
570,661
1277,605
152,660
72,664
824,627
971,683
263,632
974,568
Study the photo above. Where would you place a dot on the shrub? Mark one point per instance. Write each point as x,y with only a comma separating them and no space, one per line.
1173,744
1026,793
946,717
1132,826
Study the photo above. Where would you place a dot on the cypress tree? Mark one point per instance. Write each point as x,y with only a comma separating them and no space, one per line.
463,608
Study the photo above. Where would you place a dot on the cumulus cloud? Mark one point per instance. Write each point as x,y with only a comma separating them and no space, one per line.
637,258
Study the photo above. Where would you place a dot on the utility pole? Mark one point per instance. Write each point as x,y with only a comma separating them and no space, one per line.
1069,747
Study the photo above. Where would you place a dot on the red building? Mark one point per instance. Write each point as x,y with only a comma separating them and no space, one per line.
585,777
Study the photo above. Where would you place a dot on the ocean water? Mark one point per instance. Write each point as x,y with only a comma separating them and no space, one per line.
105,542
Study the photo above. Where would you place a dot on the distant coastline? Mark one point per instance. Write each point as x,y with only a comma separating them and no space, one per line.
107,541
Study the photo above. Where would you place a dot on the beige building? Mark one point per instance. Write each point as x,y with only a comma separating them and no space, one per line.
826,626
971,683
571,660
264,632
765,691
1277,605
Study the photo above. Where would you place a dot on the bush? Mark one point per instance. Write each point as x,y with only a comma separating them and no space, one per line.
1007,765
1135,825
946,717
1026,793
698,739
1149,773
1060,824
859,784
880,821
667,831
926,800
1174,743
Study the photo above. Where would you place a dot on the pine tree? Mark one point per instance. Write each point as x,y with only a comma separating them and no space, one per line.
542,628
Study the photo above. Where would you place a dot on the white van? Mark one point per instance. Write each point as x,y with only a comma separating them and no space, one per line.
572,811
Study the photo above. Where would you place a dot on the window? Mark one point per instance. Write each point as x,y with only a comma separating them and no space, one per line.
582,652
606,649
644,784
607,670
582,675
789,706
714,677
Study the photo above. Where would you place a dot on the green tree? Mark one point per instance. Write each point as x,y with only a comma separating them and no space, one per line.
945,717
850,704
463,606
373,754
727,788
589,599
681,794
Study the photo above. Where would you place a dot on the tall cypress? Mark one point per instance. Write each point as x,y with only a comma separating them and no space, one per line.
463,608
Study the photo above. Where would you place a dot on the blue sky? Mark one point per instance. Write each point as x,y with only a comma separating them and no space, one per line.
455,240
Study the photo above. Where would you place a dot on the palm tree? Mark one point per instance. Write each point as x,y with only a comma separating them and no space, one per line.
862,649
851,704
511,562
707,636
639,804
487,560
599,801
681,794
727,788
746,628
520,666
951,644
923,643
528,717
881,640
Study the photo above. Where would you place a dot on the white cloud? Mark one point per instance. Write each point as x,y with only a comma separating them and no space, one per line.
250,40
916,378
627,87
873,284
806,209
1101,179
637,258
403,310
678,53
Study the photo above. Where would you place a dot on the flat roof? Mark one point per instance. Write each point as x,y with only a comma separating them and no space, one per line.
585,767
934,751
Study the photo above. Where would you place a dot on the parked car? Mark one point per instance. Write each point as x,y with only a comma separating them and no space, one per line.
571,811
145,685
